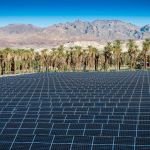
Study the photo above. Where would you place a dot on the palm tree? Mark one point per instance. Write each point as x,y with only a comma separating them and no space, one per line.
84,59
27,60
8,64
78,57
2,65
22,59
52,58
68,61
101,61
97,56
44,59
125,59
132,51
107,54
146,48
37,59
32,52
71,59
60,58
15,61
92,52
117,53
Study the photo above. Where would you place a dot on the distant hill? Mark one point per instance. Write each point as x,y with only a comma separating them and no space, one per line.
101,31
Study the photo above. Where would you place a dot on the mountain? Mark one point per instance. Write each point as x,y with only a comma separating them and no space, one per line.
101,31
146,31
146,28
19,29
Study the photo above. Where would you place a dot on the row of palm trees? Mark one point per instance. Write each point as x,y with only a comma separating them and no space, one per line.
75,58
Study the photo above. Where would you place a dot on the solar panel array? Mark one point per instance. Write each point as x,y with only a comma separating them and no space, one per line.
75,111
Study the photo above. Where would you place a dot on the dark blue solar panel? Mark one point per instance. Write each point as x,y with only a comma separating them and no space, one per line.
75,111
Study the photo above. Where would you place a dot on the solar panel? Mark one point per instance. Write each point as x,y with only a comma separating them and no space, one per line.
75,111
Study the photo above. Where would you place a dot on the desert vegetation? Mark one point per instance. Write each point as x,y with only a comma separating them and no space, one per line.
76,58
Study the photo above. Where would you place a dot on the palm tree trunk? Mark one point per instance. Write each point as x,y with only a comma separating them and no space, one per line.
131,63
145,61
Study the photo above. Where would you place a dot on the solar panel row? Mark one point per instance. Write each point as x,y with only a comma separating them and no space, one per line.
99,111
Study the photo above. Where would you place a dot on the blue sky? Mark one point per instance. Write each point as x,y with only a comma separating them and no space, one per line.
47,12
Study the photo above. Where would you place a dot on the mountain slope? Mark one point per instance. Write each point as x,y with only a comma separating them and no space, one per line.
21,35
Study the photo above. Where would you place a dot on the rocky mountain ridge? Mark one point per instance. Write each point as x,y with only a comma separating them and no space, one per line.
101,31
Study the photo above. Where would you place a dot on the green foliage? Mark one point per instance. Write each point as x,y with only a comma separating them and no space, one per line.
75,58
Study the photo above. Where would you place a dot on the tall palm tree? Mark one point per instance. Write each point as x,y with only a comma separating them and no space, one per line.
2,65
13,62
125,58
60,58
146,48
32,52
132,51
107,54
78,57
92,53
97,56
53,56
84,60
8,64
117,53
44,59
37,59
68,61
101,61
